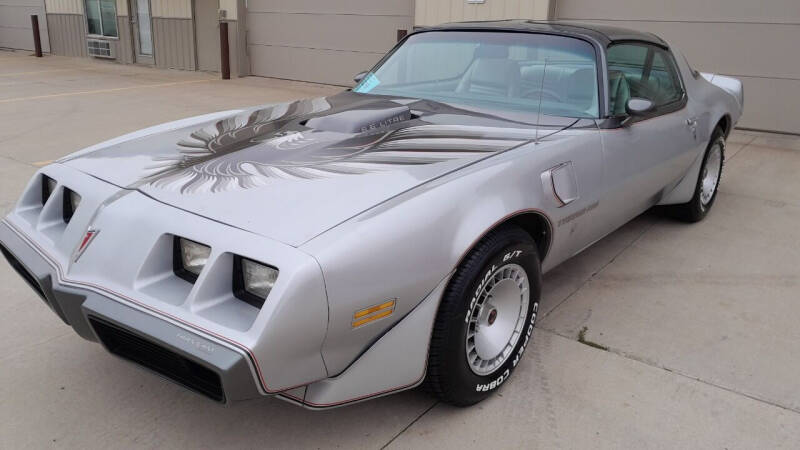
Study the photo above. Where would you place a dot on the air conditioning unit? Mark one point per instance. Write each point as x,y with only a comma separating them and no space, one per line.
101,48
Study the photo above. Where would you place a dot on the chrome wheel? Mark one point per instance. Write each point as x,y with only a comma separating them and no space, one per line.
711,173
496,319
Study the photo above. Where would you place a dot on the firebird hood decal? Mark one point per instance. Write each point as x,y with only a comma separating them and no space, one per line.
273,158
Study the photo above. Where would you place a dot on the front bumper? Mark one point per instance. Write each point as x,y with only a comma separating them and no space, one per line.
198,362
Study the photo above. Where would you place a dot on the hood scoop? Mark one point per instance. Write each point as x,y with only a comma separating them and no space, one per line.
370,117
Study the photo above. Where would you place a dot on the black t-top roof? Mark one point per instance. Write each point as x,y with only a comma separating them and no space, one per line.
601,33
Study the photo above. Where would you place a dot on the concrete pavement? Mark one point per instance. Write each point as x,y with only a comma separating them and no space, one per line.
699,321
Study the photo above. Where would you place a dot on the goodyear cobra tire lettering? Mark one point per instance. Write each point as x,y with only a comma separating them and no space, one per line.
450,375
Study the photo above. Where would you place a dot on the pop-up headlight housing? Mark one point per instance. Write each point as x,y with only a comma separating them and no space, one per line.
252,281
189,258
48,187
71,202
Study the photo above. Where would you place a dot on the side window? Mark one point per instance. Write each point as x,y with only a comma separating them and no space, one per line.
626,64
641,70
664,80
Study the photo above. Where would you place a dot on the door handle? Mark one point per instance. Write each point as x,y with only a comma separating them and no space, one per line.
692,122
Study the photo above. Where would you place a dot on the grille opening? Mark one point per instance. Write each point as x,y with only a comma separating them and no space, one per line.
159,359
23,272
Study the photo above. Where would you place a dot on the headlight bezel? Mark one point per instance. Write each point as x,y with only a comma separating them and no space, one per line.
49,186
240,288
68,204
178,262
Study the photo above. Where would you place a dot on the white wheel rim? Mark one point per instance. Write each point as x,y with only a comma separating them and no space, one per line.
497,319
711,172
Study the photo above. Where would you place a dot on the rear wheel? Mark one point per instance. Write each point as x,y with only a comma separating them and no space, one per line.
707,183
486,317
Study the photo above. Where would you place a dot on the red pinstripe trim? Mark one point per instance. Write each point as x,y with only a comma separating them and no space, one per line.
363,397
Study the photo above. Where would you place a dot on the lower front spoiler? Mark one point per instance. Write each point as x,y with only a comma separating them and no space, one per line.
183,356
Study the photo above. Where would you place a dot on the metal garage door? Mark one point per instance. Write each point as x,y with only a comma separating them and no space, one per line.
15,24
322,41
752,40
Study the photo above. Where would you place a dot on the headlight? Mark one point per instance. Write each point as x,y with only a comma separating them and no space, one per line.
71,202
48,187
189,258
253,281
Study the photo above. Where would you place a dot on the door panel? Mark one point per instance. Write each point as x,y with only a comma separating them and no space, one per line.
643,160
647,155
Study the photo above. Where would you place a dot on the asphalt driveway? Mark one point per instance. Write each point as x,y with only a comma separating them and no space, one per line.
662,335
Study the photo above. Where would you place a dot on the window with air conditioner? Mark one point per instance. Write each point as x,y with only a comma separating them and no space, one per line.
101,17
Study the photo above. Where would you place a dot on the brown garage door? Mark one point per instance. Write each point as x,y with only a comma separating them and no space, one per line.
15,24
752,40
322,41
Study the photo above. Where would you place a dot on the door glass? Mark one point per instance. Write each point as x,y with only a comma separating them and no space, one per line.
143,22
640,70
663,80
625,68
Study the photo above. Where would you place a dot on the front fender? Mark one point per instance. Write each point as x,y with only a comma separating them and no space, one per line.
403,248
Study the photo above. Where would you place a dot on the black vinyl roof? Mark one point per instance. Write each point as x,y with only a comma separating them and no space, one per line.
603,34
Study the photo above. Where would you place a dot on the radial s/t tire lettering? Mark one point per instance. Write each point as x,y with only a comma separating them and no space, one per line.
485,319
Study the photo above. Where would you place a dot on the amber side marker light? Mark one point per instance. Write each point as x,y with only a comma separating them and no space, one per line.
373,313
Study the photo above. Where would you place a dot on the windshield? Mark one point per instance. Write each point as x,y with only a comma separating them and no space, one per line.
554,75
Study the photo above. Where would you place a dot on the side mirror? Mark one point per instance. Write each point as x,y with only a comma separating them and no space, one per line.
360,77
637,107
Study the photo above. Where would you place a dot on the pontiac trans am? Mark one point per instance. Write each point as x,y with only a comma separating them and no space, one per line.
336,249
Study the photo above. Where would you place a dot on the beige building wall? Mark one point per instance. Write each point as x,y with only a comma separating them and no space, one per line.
122,7
64,6
76,7
322,41
173,9
434,12
755,41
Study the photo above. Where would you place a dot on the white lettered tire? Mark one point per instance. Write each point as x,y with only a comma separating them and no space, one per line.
485,319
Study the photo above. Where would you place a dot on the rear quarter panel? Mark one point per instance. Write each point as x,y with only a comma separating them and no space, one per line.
711,103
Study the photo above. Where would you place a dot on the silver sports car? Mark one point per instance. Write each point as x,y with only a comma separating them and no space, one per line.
333,250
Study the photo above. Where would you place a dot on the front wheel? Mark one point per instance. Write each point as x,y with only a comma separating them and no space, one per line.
486,317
